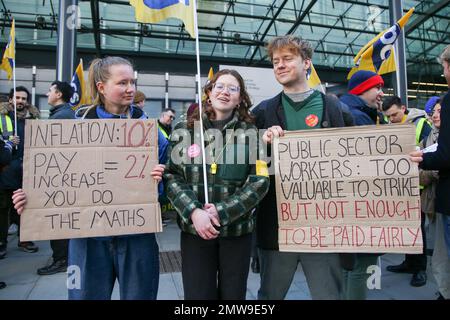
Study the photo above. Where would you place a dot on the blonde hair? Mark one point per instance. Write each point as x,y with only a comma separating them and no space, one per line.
139,96
294,44
99,71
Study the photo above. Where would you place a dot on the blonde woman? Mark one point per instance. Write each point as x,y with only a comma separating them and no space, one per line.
133,260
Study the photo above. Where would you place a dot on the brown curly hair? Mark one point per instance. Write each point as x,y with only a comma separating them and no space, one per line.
243,108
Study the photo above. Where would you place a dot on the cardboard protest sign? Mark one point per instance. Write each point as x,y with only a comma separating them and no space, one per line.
89,178
348,190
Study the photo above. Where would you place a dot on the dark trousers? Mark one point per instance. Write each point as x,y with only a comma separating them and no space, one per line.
8,215
13,215
254,254
215,269
418,262
60,249
5,208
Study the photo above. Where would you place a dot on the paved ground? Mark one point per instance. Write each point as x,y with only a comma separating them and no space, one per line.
18,270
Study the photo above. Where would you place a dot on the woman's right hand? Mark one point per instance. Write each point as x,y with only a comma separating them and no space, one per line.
202,224
20,200
271,133
416,156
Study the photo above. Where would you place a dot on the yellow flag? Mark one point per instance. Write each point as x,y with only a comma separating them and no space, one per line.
314,80
377,55
154,11
80,94
389,65
210,74
9,55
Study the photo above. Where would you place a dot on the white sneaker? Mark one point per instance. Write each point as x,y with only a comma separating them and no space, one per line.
12,229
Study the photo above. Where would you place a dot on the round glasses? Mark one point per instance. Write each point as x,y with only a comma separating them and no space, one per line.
232,89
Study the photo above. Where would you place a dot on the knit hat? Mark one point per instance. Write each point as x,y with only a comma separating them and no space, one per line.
363,80
431,103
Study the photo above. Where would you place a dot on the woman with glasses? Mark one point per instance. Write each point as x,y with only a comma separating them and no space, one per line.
216,237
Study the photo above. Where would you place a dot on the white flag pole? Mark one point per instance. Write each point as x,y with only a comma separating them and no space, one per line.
200,109
14,97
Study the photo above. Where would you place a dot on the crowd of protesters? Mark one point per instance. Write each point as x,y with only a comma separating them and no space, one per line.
216,235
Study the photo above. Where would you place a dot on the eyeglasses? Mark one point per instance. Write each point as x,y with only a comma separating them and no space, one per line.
379,89
232,89
172,117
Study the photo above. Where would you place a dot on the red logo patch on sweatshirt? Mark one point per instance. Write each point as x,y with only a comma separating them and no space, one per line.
312,120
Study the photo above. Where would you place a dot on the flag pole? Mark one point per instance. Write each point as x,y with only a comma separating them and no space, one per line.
83,93
200,109
14,97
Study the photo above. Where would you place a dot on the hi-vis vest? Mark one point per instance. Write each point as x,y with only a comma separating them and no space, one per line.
163,131
419,123
419,126
6,126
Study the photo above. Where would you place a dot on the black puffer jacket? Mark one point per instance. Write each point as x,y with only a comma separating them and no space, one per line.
440,160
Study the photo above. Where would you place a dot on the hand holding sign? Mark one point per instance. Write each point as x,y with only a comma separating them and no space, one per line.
272,133
157,172
348,190
20,200
89,178
416,156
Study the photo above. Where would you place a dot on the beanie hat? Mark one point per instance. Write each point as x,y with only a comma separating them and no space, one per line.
431,103
363,80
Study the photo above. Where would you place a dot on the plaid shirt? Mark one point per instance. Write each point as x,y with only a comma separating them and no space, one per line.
235,189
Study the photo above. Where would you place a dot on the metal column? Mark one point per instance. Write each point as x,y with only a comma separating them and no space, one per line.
166,95
33,86
400,80
67,30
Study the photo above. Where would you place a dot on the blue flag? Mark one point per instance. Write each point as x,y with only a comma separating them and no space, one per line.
80,95
154,11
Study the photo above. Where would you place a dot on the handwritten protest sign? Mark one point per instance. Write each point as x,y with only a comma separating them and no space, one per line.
348,190
89,178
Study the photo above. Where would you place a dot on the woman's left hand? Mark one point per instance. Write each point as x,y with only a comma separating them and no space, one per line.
19,199
157,172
